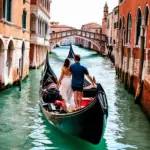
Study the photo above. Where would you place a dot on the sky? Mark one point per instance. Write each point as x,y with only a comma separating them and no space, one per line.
75,13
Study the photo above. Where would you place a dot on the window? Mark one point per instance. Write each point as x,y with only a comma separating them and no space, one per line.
4,8
47,5
121,1
46,28
138,25
24,18
129,25
106,40
108,24
7,6
114,41
120,23
146,16
116,12
110,40
115,25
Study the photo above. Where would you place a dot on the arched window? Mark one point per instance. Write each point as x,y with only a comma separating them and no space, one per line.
146,15
24,19
129,25
138,26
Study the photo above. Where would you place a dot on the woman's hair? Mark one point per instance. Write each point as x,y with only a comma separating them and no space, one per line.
67,63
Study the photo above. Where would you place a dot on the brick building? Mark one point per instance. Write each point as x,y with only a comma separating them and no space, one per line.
14,40
39,24
133,65
90,27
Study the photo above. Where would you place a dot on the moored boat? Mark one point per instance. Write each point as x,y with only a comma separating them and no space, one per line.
87,123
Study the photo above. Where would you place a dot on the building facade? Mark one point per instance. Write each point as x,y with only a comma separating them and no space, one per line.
39,24
14,40
110,29
90,27
133,53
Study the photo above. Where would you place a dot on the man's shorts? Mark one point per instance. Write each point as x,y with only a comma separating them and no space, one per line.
79,89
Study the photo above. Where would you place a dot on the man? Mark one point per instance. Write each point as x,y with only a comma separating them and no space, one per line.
78,71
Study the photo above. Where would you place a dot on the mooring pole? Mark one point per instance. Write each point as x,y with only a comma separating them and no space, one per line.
20,73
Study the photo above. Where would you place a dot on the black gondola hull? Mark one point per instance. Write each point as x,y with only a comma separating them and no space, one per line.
88,123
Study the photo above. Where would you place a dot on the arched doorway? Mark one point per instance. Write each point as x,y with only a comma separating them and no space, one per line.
1,62
10,57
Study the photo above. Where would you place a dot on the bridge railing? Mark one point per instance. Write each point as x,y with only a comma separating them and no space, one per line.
75,32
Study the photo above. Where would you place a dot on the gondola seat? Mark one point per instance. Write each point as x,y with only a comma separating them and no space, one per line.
86,101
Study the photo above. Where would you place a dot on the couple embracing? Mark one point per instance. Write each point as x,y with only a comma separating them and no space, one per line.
72,80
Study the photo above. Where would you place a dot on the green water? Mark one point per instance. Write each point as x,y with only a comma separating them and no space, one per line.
23,126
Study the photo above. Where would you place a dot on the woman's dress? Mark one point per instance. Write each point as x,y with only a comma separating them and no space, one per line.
66,89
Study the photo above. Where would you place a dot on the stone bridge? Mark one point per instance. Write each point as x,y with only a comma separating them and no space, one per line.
97,39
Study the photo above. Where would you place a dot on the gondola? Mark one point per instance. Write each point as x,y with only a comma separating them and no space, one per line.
87,123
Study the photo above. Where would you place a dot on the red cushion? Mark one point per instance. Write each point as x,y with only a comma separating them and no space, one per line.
86,100
60,103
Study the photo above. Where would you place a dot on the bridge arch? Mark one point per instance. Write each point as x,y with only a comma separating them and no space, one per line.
53,44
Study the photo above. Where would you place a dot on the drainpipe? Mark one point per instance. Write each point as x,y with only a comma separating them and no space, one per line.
140,84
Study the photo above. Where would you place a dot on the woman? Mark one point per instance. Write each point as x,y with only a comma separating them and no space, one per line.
65,81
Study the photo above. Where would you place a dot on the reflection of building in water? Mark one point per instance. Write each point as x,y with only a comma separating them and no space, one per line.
90,27
56,27
14,41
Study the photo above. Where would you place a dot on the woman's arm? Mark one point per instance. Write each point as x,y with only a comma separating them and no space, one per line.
61,76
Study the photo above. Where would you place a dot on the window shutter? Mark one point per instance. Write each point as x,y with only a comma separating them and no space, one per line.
8,10
4,8
24,16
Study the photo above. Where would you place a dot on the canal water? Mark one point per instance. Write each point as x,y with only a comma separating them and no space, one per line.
23,126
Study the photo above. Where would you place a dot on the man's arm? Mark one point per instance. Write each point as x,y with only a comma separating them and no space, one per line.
90,78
